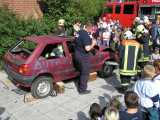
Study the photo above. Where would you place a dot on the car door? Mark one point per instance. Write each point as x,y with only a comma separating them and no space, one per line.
57,61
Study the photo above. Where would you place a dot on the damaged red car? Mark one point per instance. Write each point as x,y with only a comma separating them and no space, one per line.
40,61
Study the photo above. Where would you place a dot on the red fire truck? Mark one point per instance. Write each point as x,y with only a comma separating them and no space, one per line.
126,11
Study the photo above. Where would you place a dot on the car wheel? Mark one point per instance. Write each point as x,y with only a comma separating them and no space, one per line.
42,87
106,71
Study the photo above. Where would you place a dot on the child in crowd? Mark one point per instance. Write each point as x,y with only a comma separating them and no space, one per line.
132,112
148,92
110,112
155,55
95,112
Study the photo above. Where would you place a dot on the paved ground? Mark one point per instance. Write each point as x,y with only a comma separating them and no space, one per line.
67,106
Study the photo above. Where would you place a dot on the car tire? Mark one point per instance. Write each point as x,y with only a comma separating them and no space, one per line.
42,87
106,71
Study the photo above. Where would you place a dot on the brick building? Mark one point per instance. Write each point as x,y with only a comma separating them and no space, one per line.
24,9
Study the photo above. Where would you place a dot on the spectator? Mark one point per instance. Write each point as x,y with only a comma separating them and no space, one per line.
156,78
148,92
99,34
113,107
111,114
155,34
60,31
95,111
106,35
155,55
76,28
132,112
157,66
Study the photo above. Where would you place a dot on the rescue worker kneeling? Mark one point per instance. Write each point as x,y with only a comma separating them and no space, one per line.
129,50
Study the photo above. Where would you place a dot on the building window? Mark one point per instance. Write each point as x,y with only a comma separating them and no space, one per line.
118,9
128,9
146,10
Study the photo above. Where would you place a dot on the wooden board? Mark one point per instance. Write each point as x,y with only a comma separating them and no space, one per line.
92,76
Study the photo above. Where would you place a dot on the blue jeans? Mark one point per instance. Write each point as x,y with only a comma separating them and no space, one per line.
152,113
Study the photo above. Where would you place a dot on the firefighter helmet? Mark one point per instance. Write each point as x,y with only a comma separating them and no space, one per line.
137,19
145,18
61,22
128,35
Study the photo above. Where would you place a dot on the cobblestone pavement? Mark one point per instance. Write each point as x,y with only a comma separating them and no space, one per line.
67,106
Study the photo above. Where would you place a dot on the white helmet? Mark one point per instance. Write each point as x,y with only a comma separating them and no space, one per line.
145,18
128,35
140,29
146,21
137,19
61,22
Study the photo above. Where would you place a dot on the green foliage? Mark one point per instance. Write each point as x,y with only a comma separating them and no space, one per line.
71,10
56,8
11,28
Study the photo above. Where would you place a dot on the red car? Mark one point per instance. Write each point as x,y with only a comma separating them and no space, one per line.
40,61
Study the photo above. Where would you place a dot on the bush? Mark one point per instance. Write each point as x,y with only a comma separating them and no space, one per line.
11,28
71,10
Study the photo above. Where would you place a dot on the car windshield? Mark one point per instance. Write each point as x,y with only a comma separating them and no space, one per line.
23,46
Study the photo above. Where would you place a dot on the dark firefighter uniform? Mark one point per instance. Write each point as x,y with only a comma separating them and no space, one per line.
144,49
129,50
82,58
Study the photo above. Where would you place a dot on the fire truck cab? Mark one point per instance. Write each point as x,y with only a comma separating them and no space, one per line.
126,11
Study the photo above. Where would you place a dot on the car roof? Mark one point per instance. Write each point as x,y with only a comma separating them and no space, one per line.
46,39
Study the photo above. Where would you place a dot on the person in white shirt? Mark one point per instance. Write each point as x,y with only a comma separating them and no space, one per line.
106,35
155,55
148,92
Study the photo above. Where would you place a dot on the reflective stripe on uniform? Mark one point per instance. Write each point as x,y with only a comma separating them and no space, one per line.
128,72
130,58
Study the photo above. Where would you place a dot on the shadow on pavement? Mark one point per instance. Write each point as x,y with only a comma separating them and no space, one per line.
3,114
113,81
103,100
2,110
115,84
108,87
82,116
21,90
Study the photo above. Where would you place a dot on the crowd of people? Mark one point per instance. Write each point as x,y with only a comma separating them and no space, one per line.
141,103
139,55
139,44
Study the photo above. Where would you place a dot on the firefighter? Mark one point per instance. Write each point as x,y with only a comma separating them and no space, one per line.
143,38
129,50
136,22
84,44
148,26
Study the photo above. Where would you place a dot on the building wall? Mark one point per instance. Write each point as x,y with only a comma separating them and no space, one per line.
24,9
